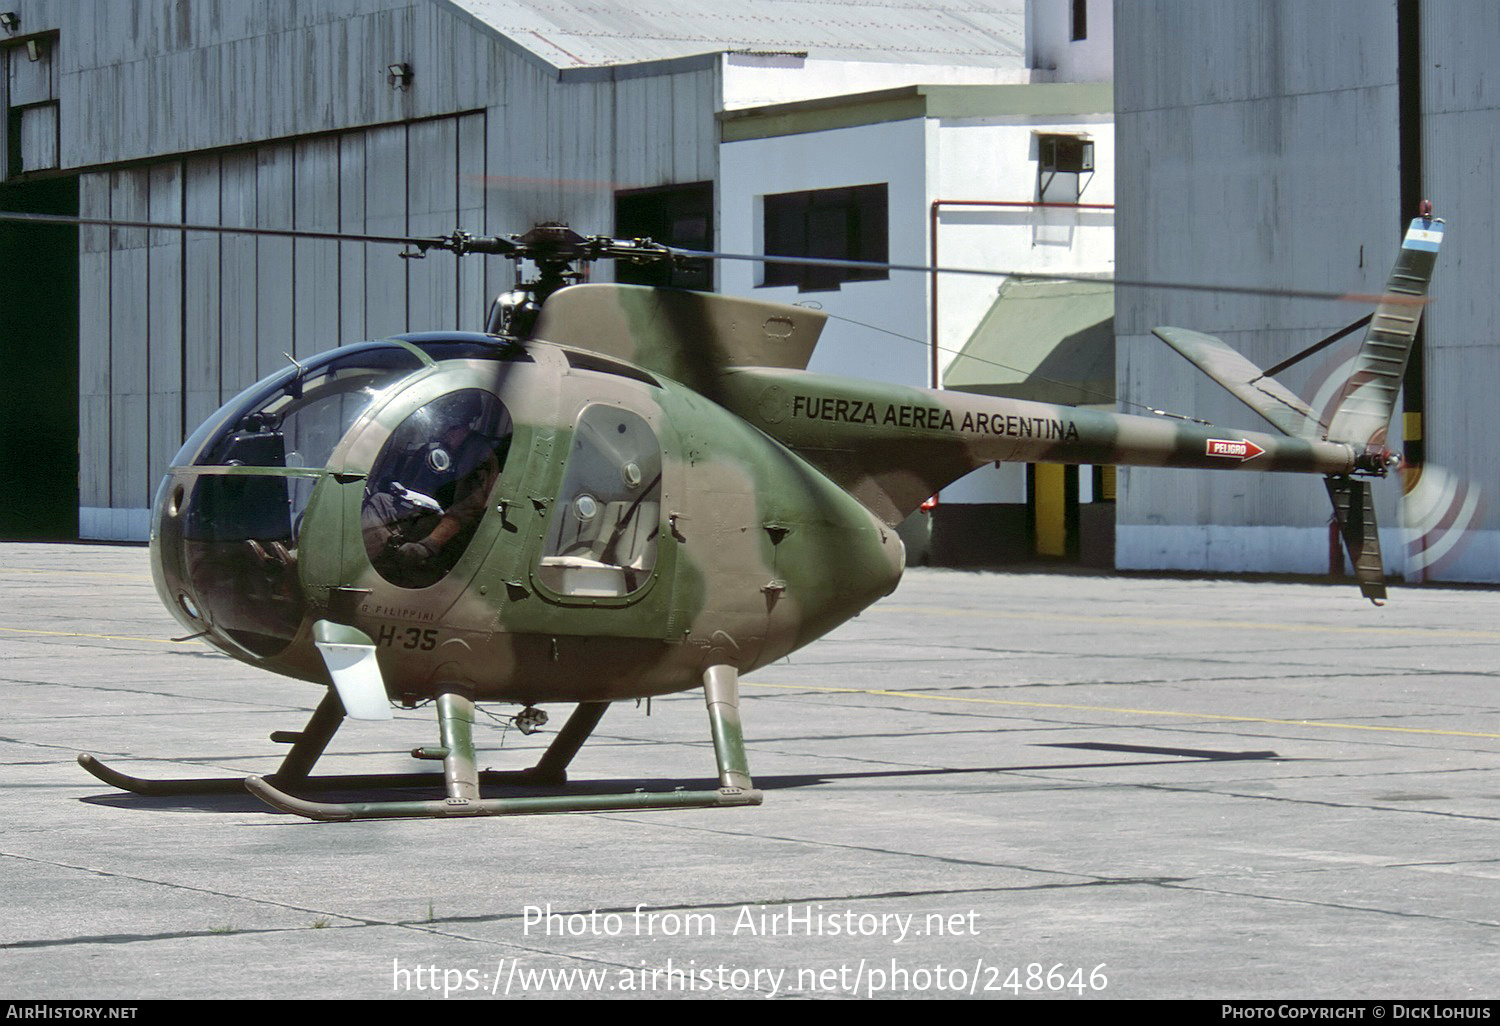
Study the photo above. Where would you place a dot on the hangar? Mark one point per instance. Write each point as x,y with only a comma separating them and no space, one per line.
1268,157
410,117
1288,144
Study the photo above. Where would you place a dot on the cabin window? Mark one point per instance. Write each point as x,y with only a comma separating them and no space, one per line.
292,419
602,542
429,487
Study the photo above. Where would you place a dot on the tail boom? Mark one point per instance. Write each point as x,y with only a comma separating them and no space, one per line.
893,446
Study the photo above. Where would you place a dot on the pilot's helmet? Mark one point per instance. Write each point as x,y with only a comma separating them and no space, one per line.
464,409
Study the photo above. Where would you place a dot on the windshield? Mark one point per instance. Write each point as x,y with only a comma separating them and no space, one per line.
296,417
228,527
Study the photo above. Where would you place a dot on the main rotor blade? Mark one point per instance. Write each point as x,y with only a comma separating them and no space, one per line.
296,233
1368,298
645,250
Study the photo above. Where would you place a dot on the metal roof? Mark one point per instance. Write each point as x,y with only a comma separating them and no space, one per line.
587,33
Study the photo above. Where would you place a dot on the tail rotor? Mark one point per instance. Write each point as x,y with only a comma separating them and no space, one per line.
1439,512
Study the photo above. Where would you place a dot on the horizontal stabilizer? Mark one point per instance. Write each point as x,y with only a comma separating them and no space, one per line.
1354,510
1243,379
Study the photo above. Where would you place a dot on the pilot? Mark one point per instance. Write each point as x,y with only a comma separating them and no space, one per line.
422,517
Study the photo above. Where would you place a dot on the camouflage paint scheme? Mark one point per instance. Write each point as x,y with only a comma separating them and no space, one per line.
779,495
758,553
649,494
892,447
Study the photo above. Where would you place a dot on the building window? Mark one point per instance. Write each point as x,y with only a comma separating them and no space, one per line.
1080,20
676,215
831,224
1069,153
28,95
31,139
1062,161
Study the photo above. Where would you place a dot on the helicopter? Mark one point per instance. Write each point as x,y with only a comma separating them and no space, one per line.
618,492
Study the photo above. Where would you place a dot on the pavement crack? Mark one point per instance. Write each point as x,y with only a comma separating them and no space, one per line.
1338,905
1316,802
877,850
130,938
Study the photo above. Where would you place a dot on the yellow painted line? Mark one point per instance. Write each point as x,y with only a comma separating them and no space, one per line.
76,573
1151,621
101,637
1113,709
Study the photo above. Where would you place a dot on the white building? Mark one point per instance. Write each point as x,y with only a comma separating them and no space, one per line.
1004,177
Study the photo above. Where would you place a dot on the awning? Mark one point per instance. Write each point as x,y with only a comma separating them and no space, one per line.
1047,341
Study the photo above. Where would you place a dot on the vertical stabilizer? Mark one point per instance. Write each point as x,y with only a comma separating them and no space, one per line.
1363,412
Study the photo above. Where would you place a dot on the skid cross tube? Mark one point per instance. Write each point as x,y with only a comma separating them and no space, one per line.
308,746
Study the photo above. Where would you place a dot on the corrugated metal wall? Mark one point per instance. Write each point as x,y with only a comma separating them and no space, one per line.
154,77
1461,173
1258,145
1267,151
174,323
184,114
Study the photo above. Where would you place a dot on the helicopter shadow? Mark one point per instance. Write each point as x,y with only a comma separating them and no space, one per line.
191,803
245,803
1171,757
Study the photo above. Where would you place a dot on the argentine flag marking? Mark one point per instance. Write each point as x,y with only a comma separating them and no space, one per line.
1428,238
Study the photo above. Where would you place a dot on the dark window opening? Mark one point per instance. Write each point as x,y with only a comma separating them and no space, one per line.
675,215
1071,153
1104,483
833,224
1080,20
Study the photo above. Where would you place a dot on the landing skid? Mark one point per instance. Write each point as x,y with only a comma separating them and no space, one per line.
461,778
307,746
